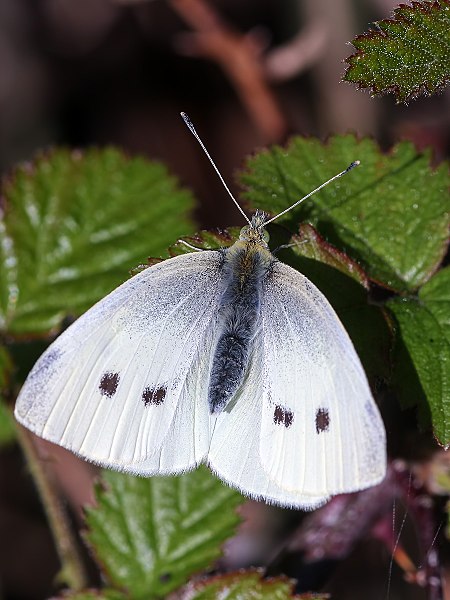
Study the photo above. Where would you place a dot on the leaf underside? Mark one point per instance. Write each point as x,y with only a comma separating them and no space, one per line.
72,226
152,534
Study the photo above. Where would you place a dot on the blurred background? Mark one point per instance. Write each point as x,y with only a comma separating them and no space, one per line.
249,73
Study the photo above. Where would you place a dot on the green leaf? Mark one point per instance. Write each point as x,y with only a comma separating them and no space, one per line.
73,225
246,585
408,55
391,214
151,534
7,426
424,347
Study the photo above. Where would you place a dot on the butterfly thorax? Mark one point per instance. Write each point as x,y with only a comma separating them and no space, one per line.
245,266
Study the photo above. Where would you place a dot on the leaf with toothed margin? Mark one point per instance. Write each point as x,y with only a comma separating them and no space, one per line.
7,426
408,55
422,354
151,534
72,225
244,585
391,214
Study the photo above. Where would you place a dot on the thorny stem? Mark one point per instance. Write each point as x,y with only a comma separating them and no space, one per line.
73,570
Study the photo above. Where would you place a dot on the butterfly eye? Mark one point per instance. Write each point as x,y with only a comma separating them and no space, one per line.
265,236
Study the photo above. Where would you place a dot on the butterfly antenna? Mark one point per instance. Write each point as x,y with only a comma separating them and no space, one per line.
191,127
344,172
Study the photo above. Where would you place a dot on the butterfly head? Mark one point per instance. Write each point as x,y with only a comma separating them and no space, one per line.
255,232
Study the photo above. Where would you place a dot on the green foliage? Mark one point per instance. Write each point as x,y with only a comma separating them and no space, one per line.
242,586
391,212
424,329
151,534
408,55
73,226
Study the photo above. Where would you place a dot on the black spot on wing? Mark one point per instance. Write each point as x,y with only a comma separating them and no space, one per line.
108,384
283,416
322,420
154,395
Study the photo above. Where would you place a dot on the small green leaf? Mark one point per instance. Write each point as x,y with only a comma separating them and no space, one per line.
424,346
408,55
73,225
246,585
391,214
151,534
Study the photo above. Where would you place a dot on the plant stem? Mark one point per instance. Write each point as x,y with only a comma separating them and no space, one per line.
73,572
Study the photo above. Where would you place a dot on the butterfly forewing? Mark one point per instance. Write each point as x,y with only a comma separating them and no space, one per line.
113,386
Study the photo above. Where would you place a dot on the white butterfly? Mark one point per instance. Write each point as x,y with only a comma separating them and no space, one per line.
228,357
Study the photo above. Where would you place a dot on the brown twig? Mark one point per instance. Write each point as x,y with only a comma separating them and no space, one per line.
297,55
239,59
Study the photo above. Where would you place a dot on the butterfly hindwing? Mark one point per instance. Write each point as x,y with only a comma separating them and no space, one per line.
116,385
321,430
235,454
